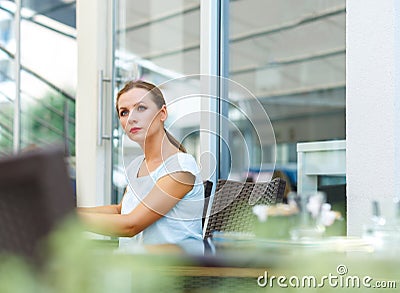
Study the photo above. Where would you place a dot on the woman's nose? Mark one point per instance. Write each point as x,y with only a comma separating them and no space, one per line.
131,118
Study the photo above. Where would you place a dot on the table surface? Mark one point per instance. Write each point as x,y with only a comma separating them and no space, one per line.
239,263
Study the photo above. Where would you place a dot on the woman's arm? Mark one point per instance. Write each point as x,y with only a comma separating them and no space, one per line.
166,193
109,209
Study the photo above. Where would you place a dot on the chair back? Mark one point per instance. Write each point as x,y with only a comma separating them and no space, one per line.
207,192
233,202
35,196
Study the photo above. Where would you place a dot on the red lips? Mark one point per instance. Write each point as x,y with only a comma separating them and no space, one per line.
134,129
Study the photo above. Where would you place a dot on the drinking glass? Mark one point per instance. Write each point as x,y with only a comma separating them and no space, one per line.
309,222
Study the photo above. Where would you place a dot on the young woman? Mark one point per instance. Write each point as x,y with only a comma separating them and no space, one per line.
164,200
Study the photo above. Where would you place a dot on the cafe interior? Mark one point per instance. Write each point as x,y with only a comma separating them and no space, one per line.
289,108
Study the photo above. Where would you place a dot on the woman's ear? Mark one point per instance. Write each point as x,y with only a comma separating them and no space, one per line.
163,113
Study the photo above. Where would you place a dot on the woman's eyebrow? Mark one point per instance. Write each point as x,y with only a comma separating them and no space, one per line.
138,103
133,106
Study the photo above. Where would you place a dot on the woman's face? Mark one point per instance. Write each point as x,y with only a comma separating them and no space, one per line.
139,115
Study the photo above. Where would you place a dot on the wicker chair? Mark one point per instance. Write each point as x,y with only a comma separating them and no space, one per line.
232,205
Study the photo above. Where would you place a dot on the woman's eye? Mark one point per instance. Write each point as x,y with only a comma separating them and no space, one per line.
141,108
124,113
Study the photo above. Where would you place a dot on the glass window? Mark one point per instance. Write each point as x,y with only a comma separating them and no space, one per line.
7,85
48,75
291,57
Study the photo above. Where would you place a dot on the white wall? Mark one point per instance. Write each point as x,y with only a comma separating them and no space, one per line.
92,161
373,110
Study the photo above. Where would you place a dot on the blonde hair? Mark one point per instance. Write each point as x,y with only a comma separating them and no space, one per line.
158,99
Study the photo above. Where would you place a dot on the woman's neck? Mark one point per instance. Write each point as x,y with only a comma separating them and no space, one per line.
157,149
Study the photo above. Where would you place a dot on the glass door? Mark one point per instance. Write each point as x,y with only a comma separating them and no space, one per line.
158,41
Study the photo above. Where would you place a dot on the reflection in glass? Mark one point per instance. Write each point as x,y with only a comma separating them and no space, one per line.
7,87
47,74
292,58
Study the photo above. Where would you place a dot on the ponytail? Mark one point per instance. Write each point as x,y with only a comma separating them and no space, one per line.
175,142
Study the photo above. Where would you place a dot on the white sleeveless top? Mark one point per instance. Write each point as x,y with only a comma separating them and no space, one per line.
182,224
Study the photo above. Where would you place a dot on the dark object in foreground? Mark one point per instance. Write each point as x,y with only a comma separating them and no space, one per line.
35,195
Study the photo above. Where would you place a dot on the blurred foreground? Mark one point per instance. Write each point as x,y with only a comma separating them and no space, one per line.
73,263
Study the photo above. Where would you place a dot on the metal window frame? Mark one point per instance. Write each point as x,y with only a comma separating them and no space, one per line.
214,66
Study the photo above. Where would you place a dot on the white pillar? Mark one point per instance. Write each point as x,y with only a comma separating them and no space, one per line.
372,108
91,159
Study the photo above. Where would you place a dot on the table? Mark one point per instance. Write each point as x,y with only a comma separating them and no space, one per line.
242,265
